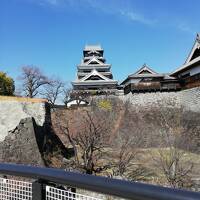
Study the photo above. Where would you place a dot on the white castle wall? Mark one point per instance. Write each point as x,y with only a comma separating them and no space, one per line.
11,112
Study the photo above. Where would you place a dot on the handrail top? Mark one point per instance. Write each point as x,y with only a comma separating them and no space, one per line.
116,187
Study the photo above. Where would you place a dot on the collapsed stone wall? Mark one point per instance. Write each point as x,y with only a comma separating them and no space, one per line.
188,99
12,110
23,144
26,133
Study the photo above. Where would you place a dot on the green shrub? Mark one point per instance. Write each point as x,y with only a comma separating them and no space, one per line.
7,86
105,104
93,92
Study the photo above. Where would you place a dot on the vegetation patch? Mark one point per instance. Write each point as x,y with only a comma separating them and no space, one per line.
105,104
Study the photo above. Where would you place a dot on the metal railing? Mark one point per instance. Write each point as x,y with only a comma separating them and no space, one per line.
14,189
11,189
43,189
53,193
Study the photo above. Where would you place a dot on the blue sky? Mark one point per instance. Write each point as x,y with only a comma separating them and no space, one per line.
52,33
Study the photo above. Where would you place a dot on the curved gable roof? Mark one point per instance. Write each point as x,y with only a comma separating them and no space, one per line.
94,59
195,52
94,72
145,69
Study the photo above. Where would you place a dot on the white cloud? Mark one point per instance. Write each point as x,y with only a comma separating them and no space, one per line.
116,8
45,2
121,11
53,2
185,28
137,17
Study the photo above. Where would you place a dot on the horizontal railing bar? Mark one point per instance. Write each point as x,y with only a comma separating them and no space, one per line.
120,188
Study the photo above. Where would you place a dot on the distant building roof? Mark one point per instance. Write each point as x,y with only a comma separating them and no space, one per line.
147,72
76,102
144,68
93,48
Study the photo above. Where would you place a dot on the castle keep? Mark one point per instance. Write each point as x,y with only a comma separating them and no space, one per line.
93,74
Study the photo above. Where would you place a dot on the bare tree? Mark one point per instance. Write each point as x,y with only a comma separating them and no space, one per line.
89,141
174,144
127,144
66,93
33,79
53,90
72,95
174,166
125,155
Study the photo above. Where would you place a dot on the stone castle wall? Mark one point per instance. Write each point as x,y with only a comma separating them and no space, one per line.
188,99
13,109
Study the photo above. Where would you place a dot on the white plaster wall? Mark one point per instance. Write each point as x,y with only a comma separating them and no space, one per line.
133,81
74,103
193,71
11,112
